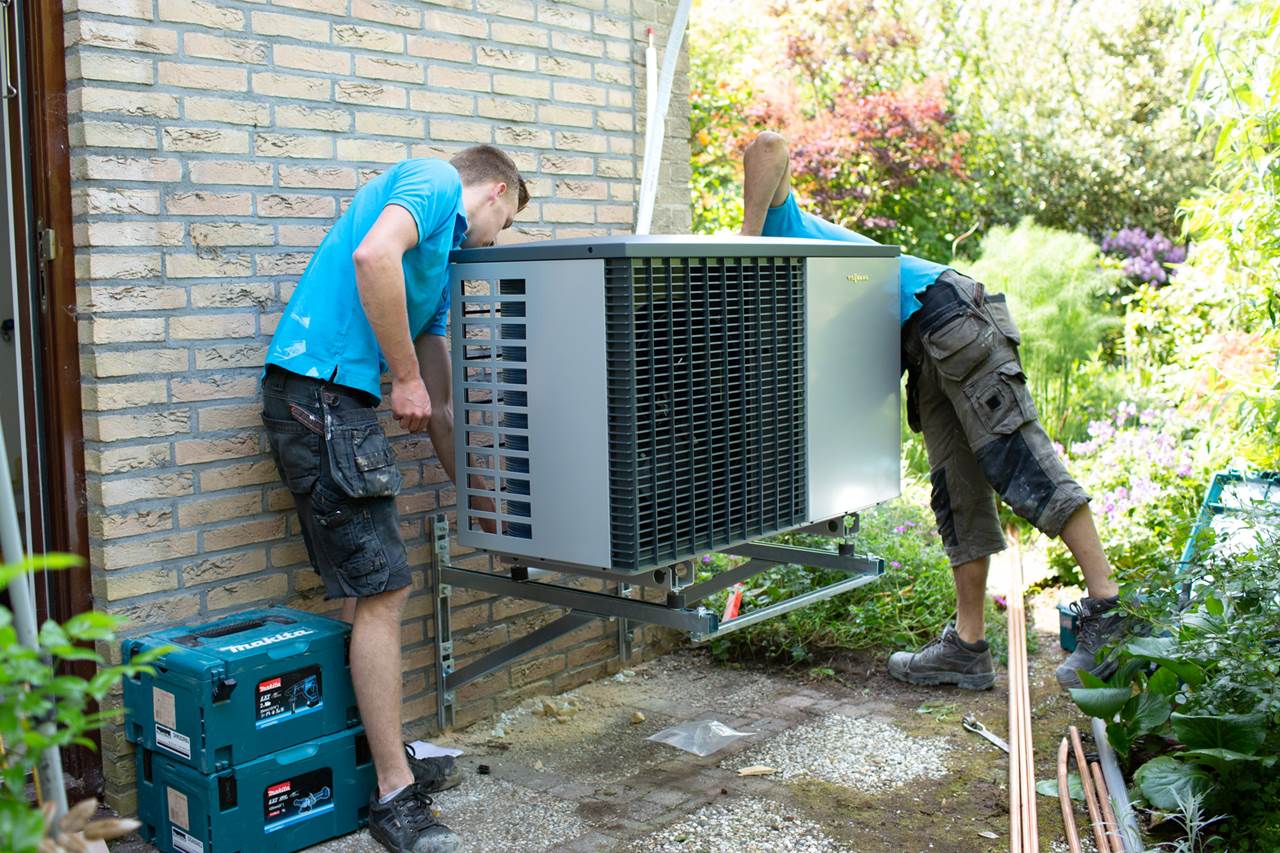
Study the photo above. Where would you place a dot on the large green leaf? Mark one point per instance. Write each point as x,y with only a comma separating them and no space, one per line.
1164,651
1163,681
1221,759
1168,783
1101,702
1146,712
1236,732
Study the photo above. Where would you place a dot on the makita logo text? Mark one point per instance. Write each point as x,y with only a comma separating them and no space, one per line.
266,641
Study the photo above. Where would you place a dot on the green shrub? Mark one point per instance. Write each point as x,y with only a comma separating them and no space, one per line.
1053,282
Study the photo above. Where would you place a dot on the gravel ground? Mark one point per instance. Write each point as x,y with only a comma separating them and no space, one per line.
742,825
859,752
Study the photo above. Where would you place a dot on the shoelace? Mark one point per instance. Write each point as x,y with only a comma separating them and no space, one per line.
415,809
1090,623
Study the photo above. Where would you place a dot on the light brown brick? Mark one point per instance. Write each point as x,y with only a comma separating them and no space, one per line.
280,263
227,111
522,9
615,168
245,592
382,124
116,586
564,115
302,235
505,108
216,387
114,492
371,150
370,94
109,67
296,204
206,77
211,510
423,101
524,136
207,140
461,131
617,122
616,28
135,297
620,99
594,190
135,523
201,203
574,43
244,533
558,15
94,99
509,60
112,134
131,426
291,86
211,326
563,66
462,25
313,118
521,34
292,26
138,552
329,7
330,177
311,59
105,396
523,87
203,13
89,33
437,48
568,213
292,145
129,234
223,566
234,476
230,417
560,164
135,361
198,266
95,200
165,610
231,355
115,8
232,294
122,460
230,234
389,69
576,93
387,13
206,46
230,172
618,75
368,38
622,214
453,78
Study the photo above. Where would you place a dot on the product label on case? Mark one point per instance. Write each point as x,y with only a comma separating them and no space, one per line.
175,742
289,693
298,797
186,843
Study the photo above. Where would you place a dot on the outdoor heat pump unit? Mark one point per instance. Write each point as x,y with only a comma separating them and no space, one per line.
628,403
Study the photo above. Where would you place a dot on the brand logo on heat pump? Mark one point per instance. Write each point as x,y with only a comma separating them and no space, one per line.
857,276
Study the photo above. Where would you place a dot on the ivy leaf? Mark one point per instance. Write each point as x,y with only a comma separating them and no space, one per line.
1167,782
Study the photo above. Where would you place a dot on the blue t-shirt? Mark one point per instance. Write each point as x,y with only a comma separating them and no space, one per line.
324,332
914,274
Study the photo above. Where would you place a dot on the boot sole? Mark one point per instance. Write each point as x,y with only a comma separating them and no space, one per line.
938,679
389,845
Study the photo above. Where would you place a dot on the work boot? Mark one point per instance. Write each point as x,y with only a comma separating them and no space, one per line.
407,824
1099,624
437,773
946,660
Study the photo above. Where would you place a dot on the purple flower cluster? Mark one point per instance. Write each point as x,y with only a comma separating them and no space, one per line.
1148,257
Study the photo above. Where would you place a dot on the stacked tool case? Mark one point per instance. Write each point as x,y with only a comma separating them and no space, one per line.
247,735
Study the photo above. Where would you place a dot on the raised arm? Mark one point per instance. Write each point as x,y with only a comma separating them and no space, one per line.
766,180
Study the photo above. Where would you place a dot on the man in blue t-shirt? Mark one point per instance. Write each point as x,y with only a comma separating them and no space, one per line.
374,299
967,394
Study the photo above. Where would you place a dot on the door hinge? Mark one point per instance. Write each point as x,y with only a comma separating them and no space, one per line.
48,244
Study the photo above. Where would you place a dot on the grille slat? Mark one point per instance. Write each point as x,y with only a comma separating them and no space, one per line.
705,403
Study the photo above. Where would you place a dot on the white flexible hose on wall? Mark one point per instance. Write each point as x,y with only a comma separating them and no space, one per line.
657,105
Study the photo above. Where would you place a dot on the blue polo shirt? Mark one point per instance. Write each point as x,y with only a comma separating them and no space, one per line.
324,332
914,274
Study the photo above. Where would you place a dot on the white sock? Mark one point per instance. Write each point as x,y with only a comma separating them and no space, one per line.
386,798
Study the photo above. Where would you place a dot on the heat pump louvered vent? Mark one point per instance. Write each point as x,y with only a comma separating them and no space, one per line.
495,403
706,403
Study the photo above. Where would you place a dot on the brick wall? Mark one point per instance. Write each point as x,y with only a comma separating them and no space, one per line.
212,145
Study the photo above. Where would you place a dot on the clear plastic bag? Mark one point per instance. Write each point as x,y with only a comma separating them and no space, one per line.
701,737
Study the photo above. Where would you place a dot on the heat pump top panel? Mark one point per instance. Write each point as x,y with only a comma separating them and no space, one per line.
631,402
662,246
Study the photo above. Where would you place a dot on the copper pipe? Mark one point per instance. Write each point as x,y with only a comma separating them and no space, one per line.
1090,801
1064,799
1109,816
1023,830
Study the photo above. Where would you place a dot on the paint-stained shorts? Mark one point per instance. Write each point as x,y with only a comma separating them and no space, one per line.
967,393
334,457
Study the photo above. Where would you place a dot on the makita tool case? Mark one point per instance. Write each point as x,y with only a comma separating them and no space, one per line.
280,802
241,687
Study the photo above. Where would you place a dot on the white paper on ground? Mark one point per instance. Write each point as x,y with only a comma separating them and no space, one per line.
423,749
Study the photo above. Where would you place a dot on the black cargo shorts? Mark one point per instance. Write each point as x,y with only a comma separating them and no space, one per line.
333,456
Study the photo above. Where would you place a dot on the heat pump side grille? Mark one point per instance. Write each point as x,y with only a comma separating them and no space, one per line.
706,403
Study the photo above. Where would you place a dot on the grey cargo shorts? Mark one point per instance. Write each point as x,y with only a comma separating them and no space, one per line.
967,393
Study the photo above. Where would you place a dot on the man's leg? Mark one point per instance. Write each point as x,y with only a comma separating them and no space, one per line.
1081,537
349,610
971,599
766,180
376,676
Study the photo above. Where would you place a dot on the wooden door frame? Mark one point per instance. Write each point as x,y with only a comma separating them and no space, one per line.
54,372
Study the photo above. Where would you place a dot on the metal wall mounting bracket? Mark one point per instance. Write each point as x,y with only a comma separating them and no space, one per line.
681,611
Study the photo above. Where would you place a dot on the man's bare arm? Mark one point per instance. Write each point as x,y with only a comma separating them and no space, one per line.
433,356
380,281
766,180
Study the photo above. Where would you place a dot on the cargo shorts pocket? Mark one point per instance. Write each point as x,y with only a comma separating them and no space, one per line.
349,537
360,457
958,347
1000,399
998,308
296,451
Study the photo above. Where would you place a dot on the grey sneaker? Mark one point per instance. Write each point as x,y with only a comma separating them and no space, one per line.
1099,623
408,825
438,773
946,660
